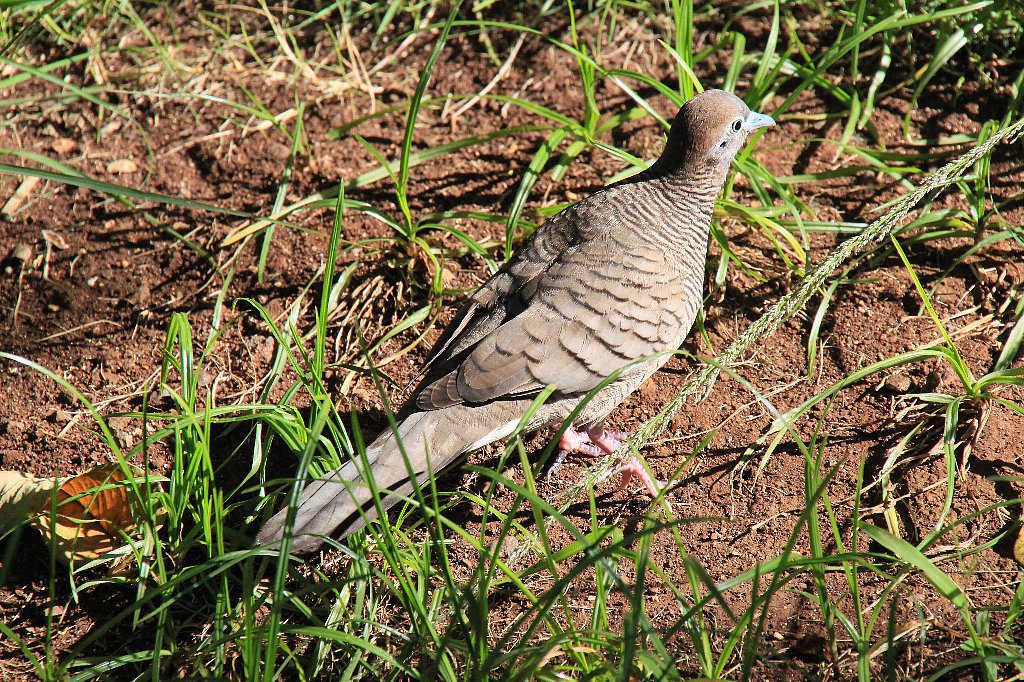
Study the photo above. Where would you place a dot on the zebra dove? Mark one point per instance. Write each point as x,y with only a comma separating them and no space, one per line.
611,283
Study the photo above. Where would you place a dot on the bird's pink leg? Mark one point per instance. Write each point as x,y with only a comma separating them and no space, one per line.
598,442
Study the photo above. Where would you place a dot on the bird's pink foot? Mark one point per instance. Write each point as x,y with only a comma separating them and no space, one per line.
632,467
597,443
581,441
572,441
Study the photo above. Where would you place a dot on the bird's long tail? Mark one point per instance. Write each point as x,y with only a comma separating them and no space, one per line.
343,500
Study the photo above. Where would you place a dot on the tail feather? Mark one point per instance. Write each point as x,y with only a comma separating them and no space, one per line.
343,500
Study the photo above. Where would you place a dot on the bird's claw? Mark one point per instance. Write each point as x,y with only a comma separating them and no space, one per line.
598,444
556,464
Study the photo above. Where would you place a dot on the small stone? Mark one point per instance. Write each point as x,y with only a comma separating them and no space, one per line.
205,378
897,383
122,166
279,151
110,128
509,546
449,278
161,396
120,423
58,417
22,253
63,145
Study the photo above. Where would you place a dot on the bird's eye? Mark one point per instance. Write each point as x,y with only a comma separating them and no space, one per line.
737,125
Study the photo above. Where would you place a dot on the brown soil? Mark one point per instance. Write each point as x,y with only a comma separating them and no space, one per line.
94,303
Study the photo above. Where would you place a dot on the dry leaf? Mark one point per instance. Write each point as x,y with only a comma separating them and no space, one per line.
122,166
1018,546
93,513
97,495
21,496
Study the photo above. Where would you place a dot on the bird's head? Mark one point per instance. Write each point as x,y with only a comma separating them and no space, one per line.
709,131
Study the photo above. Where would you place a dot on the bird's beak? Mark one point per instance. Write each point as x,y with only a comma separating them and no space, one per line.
756,120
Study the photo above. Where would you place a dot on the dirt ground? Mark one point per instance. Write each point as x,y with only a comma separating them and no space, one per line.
94,301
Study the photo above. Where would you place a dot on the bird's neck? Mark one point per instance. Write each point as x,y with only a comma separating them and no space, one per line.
691,192
679,199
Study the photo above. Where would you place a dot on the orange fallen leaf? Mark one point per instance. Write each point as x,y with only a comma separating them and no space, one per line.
93,514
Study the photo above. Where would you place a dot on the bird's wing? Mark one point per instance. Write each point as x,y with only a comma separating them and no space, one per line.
603,303
507,293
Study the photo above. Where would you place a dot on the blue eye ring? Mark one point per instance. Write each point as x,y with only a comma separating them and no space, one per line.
737,125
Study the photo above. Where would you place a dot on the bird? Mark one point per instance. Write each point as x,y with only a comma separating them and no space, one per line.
611,284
